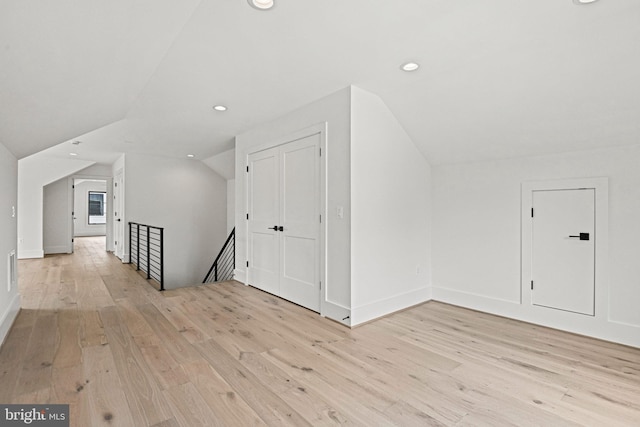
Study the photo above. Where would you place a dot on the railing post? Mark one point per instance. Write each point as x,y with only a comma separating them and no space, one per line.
162,259
138,247
148,252
129,242
215,273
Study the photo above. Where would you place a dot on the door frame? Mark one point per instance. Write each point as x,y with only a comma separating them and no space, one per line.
600,186
71,209
120,252
321,129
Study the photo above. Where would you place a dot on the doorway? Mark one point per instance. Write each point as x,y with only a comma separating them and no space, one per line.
118,215
564,237
284,222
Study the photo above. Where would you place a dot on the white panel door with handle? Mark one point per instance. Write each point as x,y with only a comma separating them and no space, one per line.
563,250
284,221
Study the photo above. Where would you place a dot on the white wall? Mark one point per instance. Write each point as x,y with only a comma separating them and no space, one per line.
81,209
186,198
9,299
231,205
56,227
34,172
476,243
335,111
390,213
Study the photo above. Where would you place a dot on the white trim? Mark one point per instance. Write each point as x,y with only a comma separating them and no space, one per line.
388,306
240,276
8,317
24,254
557,319
61,249
336,312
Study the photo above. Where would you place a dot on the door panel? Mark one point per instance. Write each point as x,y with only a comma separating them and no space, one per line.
264,244
300,217
118,215
563,267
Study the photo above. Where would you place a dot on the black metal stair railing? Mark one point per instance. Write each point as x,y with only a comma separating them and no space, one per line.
146,250
225,263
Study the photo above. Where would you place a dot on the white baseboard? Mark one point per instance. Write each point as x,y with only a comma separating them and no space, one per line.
8,317
24,254
593,326
387,306
336,312
240,276
56,250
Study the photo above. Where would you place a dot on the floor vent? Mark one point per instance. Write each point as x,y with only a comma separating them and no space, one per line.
12,273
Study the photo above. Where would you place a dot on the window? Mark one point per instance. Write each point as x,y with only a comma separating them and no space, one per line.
97,207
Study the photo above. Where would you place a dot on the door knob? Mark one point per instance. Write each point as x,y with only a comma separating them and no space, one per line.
280,228
582,236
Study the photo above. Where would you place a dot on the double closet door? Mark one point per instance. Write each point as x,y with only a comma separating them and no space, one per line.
284,221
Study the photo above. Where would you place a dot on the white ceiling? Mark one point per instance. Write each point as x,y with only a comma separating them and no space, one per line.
499,78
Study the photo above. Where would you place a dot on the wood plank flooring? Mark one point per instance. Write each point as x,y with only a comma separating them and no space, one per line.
94,334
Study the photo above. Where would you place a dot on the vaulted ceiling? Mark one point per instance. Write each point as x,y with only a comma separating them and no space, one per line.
498,78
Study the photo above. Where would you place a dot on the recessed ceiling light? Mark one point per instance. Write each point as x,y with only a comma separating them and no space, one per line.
262,4
73,154
410,66
220,108
581,2
191,156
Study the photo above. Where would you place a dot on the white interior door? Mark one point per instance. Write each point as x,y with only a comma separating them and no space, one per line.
300,220
118,215
284,221
563,249
264,218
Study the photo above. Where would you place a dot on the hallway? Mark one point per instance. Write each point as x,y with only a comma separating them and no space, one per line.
94,334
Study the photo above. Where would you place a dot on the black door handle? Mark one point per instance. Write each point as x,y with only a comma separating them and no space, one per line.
274,228
582,236
280,228
118,220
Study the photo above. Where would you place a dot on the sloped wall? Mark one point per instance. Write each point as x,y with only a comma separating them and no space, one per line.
390,213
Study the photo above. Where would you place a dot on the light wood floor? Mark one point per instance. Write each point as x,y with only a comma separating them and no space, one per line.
93,334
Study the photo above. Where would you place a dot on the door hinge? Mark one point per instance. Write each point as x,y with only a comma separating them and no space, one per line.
531,212
247,169
73,186
247,216
532,285
72,240
247,263
320,151
320,218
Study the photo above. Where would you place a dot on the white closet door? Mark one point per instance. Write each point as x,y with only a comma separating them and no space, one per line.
300,219
563,250
284,221
264,216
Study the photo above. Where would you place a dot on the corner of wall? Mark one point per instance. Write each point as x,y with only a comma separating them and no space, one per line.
8,317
